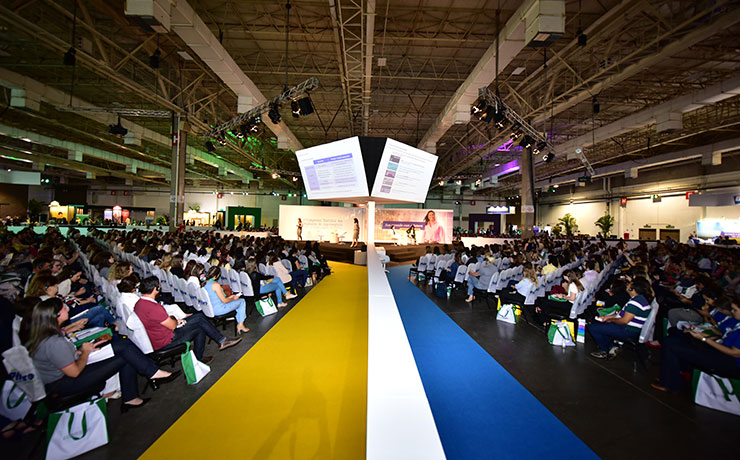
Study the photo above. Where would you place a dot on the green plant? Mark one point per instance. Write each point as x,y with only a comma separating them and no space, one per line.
34,207
161,220
195,207
569,224
557,230
605,223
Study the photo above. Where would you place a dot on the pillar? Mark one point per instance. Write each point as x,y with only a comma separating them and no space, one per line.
370,222
177,182
527,194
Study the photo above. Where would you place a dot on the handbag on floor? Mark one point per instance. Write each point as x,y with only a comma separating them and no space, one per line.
715,392
440,290
14,404
508,313
194,370
21,370
559,334
77,430
265,307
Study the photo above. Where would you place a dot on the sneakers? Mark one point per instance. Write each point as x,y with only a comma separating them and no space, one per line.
599,354
290,296
614,351
229,343
282,304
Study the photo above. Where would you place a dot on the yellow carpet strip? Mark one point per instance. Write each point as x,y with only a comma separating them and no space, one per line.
299,393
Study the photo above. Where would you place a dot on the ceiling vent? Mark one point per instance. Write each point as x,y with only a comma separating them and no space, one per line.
153,15
545,23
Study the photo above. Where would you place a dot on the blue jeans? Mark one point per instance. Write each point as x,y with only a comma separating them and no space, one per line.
276,286
195,330
605,333
299,278
474,283
97,316
240,305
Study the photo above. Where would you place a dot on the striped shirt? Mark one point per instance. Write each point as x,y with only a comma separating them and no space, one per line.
640,308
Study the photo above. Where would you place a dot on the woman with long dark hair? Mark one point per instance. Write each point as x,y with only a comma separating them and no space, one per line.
64,370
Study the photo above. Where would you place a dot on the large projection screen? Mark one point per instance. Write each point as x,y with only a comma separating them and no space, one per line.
321,223
404,173
334,170
431,225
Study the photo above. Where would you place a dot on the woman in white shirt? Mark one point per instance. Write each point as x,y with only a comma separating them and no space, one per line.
559,305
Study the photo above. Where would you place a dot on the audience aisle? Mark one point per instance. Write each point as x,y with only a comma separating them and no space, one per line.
300,392
608,406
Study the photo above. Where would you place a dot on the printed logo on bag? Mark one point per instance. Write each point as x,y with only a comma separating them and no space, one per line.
18,377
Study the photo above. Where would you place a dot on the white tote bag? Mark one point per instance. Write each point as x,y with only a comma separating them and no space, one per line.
14,404
266,307
194,370
508,314
77,430
21,370
716,392
559,334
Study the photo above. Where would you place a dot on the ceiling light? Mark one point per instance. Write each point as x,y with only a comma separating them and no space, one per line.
526,142
441,183
54,204
478,182
69,56
516,130
154,59
542,145
458,182
295,109
275,175
478,107
117,129
518,71
548,157
295,178
306,106
274,113
555,186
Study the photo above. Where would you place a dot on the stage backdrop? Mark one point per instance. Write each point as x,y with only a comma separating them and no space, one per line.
402,219
321,223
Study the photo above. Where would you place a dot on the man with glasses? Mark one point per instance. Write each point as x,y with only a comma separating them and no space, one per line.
167,331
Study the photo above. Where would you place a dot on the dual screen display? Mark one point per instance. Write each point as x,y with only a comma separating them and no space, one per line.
336,171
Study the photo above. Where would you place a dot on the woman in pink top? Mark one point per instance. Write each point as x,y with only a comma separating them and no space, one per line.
433,231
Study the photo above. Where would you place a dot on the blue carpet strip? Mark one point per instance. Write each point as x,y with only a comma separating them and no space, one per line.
481,411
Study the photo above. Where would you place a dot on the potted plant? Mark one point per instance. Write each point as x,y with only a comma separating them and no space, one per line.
557,230
605,223
569,224
161,220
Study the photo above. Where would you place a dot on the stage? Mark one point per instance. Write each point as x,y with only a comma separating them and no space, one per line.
342,252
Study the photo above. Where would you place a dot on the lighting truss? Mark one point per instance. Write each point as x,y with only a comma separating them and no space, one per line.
126,112
584,160
514,118
288,95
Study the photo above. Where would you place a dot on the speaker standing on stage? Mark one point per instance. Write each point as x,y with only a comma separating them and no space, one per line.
299,230
356,234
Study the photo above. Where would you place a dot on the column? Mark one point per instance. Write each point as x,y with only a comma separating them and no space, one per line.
177,176
527,194
370,222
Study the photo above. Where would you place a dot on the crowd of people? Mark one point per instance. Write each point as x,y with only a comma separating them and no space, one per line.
47,297
695,288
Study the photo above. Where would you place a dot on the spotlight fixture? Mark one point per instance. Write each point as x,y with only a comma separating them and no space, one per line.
478,181
516,131
295,178
479,107
526,142
596,106
458,182
582,38
221,139
70,56
274,113
542,145
548,157
255,124
499,119
275,175
306,106
117,129
488,114
210,147
295,108
154,59
441,183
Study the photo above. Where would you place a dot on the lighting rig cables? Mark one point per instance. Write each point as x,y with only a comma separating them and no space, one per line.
491,108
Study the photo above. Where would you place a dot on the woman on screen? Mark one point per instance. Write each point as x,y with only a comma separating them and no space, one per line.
433,231
299,229
411,234
355,234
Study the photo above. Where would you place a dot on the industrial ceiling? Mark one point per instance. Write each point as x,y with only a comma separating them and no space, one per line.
623,80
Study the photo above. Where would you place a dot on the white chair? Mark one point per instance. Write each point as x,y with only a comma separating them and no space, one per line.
460,275
191,289
245,285
287,265
204,300
234,281
176,292
184,292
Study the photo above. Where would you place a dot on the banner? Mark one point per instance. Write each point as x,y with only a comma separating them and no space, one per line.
321,223
430,225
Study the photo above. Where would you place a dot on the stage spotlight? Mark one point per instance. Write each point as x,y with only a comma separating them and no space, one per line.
542,145
255,124
582,38
295,178
458,182
70,56
479,107
596,106
548,157
478,182
221,139
306,106
488,114
296,109
275,175
117,129
154,59
516,131
499,120
441,183
274,113
526,142
210,147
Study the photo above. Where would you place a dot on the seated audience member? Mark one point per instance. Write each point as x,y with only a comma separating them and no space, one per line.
615,295
188,269
625,324
448,274
129,297
265,284
197,274
517,293
176,266
559,304
297,273
552,265
166,331
65,371
591,276
46,286
693,349
119,271
222,303
480,279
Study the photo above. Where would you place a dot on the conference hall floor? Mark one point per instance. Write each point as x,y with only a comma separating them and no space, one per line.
610,407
